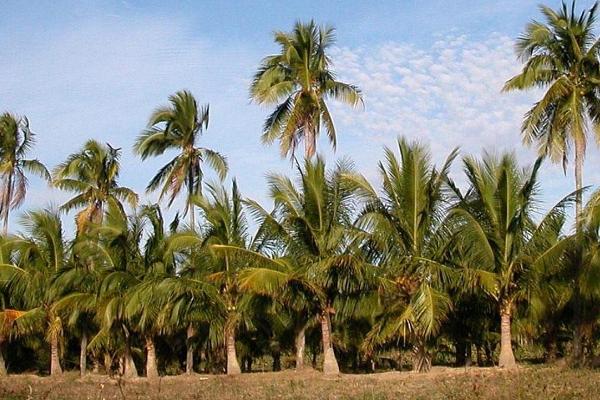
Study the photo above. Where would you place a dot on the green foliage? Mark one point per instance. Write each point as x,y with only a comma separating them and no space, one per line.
298,81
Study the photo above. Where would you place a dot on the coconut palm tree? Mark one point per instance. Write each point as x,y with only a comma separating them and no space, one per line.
497,232
561,55
224,224
313,222
113,249
237,264
299,80
92,174
41,254
76,286
580,282
7,315
406,227
16,140
179,127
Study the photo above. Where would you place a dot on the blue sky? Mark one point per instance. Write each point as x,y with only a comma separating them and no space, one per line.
429,70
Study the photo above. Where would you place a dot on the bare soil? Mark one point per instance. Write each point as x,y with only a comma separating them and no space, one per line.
532,382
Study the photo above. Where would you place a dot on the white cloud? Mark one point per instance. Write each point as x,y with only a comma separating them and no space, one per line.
447,95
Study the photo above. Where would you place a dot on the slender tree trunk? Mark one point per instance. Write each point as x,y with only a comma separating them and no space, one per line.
276,360
6,202
507,358
55,368
579,154
233,368
83,355
2,363
191,211
300,344
95,364
479,355
189,356
310,141
469,356
108,364
330,364
461,353
577,351
128,366
421,356
151,367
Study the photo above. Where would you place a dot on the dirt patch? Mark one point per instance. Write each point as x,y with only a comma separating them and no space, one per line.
440,383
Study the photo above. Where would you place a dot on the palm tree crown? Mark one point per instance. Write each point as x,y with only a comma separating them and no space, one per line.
92,174
299,80
561,56
179,126
15,142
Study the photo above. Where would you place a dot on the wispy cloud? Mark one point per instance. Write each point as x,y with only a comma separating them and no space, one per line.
447,95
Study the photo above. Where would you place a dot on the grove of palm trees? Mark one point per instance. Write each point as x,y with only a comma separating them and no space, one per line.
459,263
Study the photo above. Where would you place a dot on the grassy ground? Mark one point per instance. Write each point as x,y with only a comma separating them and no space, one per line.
442,383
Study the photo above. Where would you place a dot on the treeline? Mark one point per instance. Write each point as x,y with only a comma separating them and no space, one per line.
351,274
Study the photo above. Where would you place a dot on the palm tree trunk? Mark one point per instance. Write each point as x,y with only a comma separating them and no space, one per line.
233,368
192,216
83,355
2,363
151,368
422,357
577,352
55,368
330,364
6,202
300,344
461,353
579,154
507,358
189,355
310,141
127,365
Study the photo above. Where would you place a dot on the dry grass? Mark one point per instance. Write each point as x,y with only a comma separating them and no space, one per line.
441,383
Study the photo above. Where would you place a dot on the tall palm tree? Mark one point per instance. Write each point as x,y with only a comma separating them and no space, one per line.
582,267
76,286
114,252
497,233
406,227
7,315
313,222
179,127
561,55
92,174
233,267
16,140
299,80
41,254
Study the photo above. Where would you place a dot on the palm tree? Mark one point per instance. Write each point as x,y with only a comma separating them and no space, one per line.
113,250
92,174
224,224
581,281
313,222
15,141
499,237
40,256
406,227
179,127
76,286
237,264
299,80
561,56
